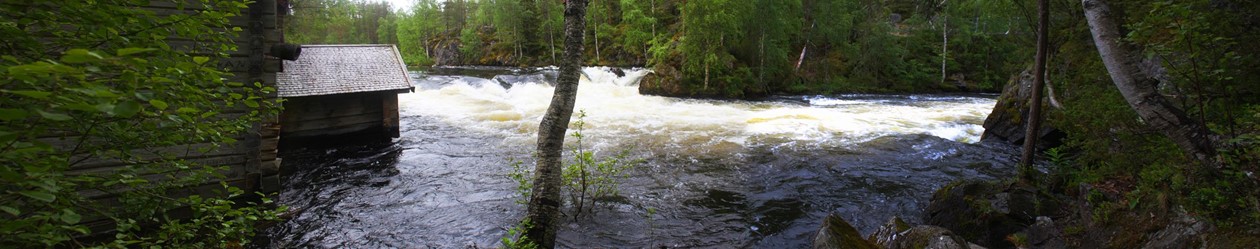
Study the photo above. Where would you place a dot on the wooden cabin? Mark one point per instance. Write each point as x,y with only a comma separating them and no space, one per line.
339,90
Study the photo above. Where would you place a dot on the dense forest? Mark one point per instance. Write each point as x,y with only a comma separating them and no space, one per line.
708,47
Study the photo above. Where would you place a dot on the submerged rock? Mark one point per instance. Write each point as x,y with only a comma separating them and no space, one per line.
838,234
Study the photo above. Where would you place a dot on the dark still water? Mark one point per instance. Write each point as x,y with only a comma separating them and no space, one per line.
720,174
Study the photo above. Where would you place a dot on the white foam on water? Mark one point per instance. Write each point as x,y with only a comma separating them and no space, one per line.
617,112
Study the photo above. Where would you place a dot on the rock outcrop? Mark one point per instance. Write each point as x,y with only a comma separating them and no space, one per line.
445,52
985,212
665,80
1007,121
896,234
838,234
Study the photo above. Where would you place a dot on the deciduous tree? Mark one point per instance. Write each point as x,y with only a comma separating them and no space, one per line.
544,203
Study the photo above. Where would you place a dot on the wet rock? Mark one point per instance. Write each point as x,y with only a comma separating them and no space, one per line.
665,80
986,213
896,234
927,237
445,52
1007,121
838,234
884,235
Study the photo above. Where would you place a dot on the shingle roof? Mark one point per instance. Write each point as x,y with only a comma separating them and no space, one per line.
336,69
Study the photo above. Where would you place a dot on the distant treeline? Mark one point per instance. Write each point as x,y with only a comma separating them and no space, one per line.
728,48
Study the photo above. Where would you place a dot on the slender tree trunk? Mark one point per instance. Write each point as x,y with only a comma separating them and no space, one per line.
551,36
596,37
1139,87
706,74
1039,78
544,203
944,44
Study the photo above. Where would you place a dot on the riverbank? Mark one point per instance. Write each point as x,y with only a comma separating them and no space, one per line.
1010,214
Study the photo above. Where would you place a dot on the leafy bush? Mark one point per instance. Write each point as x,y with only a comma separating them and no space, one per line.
589,178
97,106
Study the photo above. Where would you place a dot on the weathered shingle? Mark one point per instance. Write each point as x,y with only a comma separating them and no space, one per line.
336,69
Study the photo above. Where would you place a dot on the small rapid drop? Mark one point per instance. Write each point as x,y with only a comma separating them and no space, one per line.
617,112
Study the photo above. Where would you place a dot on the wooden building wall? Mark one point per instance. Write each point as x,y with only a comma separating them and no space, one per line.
257,168
341,114
251,162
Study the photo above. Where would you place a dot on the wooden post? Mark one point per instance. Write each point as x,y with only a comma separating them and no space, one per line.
390,114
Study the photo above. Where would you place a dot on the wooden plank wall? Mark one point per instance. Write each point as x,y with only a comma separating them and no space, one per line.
337,114
258,169
251,162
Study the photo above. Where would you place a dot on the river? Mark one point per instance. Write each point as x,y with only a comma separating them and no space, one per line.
716,173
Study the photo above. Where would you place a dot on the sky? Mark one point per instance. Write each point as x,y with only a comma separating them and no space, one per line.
399,4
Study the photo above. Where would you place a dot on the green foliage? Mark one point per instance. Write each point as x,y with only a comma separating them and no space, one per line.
96,104
588,178
1208,72
516,239
340,22
734,48
524,180
709,25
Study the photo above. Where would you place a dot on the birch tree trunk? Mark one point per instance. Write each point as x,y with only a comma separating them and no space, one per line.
1139,87
544,203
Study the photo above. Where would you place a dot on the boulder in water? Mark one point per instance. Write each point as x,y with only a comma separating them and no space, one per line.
838,234
665,80
1007,121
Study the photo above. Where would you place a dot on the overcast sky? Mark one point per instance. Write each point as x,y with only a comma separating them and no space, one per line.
399,4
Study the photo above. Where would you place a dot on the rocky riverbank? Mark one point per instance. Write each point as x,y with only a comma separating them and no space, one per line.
1012,215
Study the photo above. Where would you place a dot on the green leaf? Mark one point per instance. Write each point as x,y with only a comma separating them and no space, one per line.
105,107
144,96
32,94
70,217
39,195
53,115
80,56
12,114
160,105
127,108
131,51
10,210
186,110
200,59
